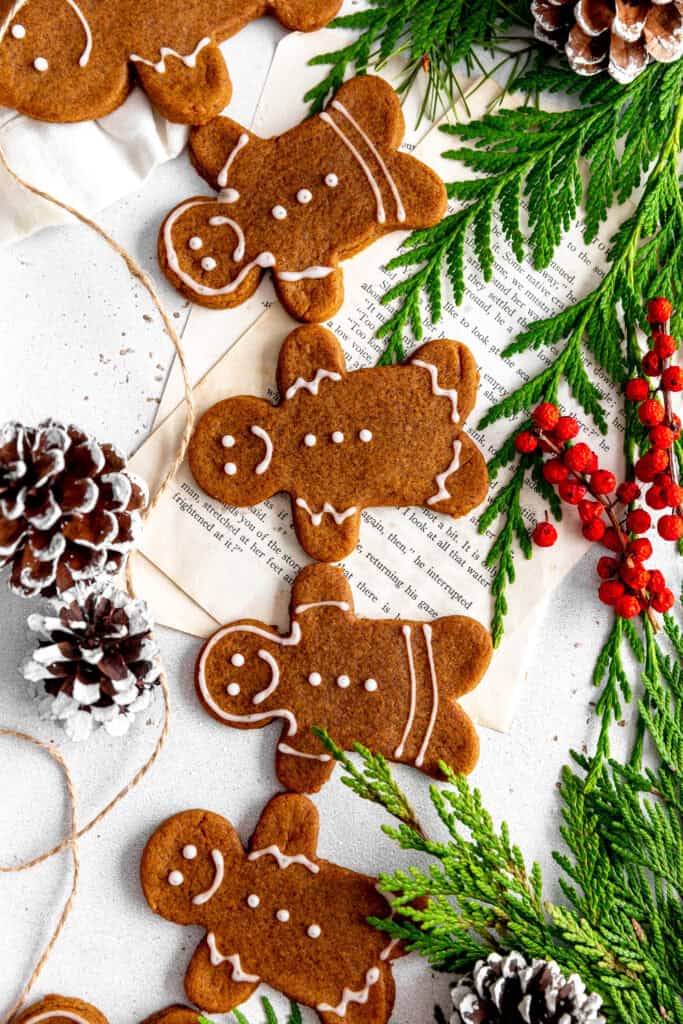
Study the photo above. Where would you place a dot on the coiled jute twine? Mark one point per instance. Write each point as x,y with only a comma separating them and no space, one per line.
70,841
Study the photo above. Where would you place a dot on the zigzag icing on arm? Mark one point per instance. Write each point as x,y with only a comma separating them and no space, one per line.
217,958
350,996
284,860
317,517
450,393
312,385
442,493
188,59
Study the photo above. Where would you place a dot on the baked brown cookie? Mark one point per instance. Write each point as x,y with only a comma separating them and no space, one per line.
174,1015
340,442
278,914
297,203
391,685
62,1010
74,60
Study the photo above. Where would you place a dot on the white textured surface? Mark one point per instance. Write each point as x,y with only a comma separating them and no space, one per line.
79,341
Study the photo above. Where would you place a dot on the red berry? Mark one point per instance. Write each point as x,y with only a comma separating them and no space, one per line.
674,495
663,601
589,510
651,464
526,443
628,492
656,581
665,345
606,567
659,310
612,540
611,591
595,530
627,606
544,535
566,428
661,437
637,389
651,413
634,576
652,364
670,527
554,471
546,416
640,549
571,491
577,458
656,498
638,521
672,379
676,424
603,482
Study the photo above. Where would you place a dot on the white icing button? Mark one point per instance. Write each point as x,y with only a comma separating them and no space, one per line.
370,685
310,440
343,682
237,660
331,180
304,196
313,931
315,679
365,436
228,441
18,31
282,915
208,263
337,437
40,64
176,878
195,243
233,689
189,852
279,212
230,468
253,901
228,195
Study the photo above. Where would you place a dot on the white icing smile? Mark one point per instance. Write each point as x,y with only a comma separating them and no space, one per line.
219,874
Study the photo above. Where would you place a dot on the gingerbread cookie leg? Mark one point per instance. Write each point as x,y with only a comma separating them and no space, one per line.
304,15
190,89
215,979
311,295
301,771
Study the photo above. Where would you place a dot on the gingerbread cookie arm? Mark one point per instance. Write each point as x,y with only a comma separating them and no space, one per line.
320,588
304,15
463,483
302,771
309,358
373,105
311,294
288,830
216,979
215,149
451,373
190,89
328,533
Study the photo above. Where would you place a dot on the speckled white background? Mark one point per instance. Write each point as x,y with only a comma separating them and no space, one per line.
79,341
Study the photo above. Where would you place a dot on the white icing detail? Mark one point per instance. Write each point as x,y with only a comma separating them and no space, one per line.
388,950
314,931
406,630
40,64
442,493
279,212
309,273
228,441
285,641
51,1014
209,263
338,437
313,384
400,211
381,215
263,436
219,865
18,32
240,248
253,901
217,959
222,178
370,685
310,440
365,436
283,859
233,689
230,468
285,748
315,679
300,608
189,851
228,195
343,682
195,243
331,180
419,760
237,660
450,393
304,196
350,996
85,56
274,678
282,916
188,59
317,517
176,878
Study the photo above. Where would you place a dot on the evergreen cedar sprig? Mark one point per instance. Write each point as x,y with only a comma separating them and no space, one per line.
621,926
293,1017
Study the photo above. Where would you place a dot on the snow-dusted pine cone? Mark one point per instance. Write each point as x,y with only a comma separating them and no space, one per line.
618,36
96,661
510,990
69,509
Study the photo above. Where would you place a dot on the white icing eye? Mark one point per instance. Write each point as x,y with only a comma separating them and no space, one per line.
40,64
189,852
315,679
176,878
310,440
365,436
253,901
313,931
338,437
228,195
331,180
279,212
343,682
304,196
233,689
282,915
195,243
237,660
230,468
228,441
208,263
18,31
370,685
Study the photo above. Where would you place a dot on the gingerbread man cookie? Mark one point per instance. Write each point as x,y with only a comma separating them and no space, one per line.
176,1014
62,1010
298,203
340,442
74,60
391,685
278,914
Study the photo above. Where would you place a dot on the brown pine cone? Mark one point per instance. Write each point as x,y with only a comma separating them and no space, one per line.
69,509
618,36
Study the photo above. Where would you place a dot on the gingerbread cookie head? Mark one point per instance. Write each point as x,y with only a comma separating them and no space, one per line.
74,60
61,1010
297,204
176,1014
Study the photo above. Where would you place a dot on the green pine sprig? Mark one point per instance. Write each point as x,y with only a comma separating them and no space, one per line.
270,1016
